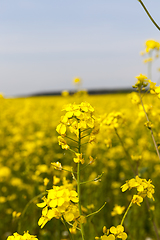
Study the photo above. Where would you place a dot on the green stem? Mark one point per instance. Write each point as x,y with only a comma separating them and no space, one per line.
150,66
154,141
71,150
65,224
126,152
91,214
149,14
124,216
78,184
153,220
26,207
93,180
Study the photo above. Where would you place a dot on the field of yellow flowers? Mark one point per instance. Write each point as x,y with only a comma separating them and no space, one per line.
81,166
29,145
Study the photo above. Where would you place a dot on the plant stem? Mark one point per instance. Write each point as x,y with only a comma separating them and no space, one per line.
126,212
126,152
153,220
26,207
91,214
149,14
150,66
78,184
154,141
65,223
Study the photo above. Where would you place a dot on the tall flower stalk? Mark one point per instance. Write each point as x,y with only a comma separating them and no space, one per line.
78,183
141,84
63,202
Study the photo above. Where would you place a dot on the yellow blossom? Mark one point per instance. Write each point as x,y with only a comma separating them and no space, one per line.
117,210
142,82
152,44
61,129
77,80
78,158
118,232
25,236
55,180
57,165
46,181
60,201
137,199
148,60
80,121
63,143
144,187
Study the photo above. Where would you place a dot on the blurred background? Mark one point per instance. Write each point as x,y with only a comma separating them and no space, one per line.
45,44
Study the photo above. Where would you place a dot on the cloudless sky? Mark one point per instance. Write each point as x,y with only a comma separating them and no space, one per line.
44,44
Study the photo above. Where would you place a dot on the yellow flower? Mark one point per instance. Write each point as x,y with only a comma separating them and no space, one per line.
114,120
117,210
154,89
109,237
77,80
60,201
46,181
118,232
137,199
78,158
148,60
16,214
104,229
91,160
152,44
144,187
57,165
63,143
25,236
61,129
115,232
55,180
142,82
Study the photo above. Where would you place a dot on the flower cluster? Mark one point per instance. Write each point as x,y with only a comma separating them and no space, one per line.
78,116
144,188
25,236
154,89
151,45
114,120
79,120
142,82
77,80
61,201
117,210
113,233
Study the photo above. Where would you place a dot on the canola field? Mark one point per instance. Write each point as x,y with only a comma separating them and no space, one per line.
83,156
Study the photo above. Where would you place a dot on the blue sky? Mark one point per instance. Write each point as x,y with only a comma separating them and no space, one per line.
45,44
